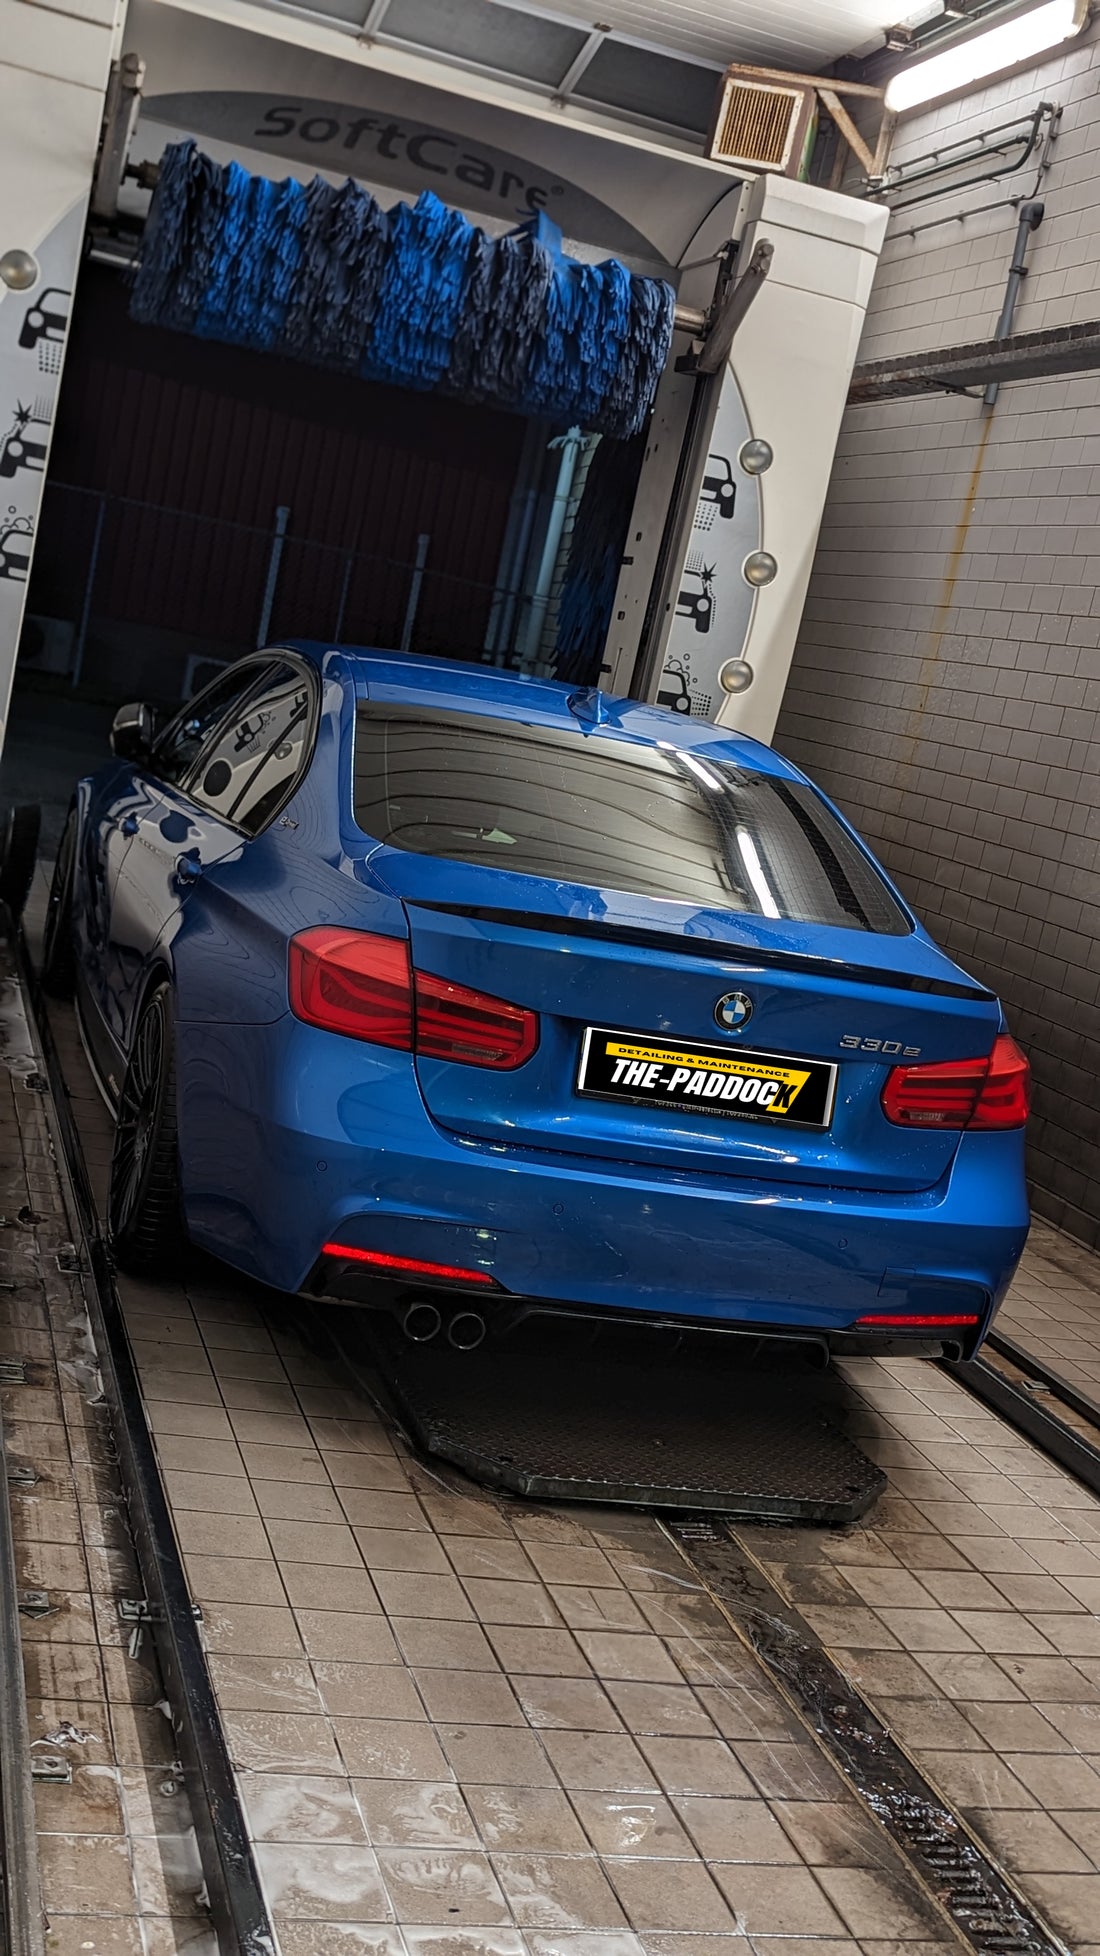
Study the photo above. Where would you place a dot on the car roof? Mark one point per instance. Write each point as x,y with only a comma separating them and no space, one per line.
461,687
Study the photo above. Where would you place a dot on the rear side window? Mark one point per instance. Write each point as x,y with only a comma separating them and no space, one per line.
181,742
590,809
249,770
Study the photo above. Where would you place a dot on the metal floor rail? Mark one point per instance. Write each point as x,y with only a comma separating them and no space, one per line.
1066,1427
22,1930
237,1906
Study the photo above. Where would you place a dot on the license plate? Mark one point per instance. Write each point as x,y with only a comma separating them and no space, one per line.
699,1078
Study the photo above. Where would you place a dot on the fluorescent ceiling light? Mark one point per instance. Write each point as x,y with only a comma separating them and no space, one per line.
755,870
920,17
708,779
973,60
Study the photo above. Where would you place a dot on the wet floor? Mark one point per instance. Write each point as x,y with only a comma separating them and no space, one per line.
119,1866
470,1725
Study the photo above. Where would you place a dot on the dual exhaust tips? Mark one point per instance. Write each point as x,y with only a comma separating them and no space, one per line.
422,1321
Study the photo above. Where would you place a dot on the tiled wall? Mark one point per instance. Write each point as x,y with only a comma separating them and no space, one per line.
946,687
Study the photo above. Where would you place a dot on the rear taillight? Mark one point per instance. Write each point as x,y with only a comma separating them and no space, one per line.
976,1093
364,986
348,982
455,1023
1006,1096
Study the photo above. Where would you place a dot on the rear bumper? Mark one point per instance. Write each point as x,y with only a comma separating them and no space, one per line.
292,1139
322,1141
498,1314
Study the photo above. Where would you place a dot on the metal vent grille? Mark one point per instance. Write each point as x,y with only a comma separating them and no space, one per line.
759,124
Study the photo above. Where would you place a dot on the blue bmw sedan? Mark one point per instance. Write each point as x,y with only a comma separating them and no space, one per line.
468,995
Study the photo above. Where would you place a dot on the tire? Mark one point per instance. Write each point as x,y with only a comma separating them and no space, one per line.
18,853
58,949
144,1215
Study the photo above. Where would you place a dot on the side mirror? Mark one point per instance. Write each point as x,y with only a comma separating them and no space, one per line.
132,732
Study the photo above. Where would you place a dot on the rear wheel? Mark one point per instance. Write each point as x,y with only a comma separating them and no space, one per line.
18,852
58,951
143,1203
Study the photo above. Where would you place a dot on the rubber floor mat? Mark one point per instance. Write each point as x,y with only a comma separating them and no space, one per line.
570,1427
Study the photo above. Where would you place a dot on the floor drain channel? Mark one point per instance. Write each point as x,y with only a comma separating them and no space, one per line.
970,1888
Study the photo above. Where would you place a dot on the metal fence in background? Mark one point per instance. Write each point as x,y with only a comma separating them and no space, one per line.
150,599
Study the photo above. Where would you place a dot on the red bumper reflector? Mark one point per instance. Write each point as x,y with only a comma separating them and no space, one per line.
917,1320
407,1266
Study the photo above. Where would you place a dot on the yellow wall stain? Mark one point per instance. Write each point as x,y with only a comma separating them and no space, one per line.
930,661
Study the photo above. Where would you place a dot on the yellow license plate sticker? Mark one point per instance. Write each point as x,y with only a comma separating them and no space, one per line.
711,1079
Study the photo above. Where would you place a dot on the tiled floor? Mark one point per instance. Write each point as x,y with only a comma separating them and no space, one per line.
1053,1307
119,1868
466,1726
967,1609
482,1726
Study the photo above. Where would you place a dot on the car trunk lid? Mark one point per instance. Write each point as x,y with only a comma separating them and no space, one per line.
656,970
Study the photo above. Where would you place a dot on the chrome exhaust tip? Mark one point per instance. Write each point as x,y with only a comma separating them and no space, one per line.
466,1330
421,1323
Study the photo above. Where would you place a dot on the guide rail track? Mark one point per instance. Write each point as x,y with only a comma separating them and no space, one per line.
237,1906
1057,1418
21,1921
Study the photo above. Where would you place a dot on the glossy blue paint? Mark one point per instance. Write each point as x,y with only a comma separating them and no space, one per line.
291,1136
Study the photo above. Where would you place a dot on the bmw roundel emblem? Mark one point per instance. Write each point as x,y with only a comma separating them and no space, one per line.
733,1010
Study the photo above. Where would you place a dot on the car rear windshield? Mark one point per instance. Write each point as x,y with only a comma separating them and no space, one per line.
577,807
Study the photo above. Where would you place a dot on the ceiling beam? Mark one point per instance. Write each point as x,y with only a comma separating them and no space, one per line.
811,81
580,62
847,128
1024,356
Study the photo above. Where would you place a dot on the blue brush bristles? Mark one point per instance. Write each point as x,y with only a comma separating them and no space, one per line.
415,297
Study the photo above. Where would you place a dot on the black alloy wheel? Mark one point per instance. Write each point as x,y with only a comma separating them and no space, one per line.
18,853
143,1203
58,949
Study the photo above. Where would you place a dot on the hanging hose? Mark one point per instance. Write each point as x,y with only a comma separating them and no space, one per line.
595,558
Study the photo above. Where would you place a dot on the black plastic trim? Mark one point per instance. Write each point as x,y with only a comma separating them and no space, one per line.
746,955
237,1907
337,1283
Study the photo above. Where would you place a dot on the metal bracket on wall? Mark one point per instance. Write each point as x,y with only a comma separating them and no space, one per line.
119,122
1002,149
951,369
732,299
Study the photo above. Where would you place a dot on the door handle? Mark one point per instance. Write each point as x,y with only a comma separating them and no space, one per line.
188,868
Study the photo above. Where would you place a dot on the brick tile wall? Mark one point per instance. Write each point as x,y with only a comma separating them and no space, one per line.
946,687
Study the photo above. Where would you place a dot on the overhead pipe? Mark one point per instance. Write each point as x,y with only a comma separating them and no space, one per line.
278,541
569,447
1030,217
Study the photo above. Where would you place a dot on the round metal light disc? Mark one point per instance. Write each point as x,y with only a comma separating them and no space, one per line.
756,456
19,270
759,567
736,676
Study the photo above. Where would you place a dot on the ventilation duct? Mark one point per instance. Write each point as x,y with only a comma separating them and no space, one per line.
763,124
